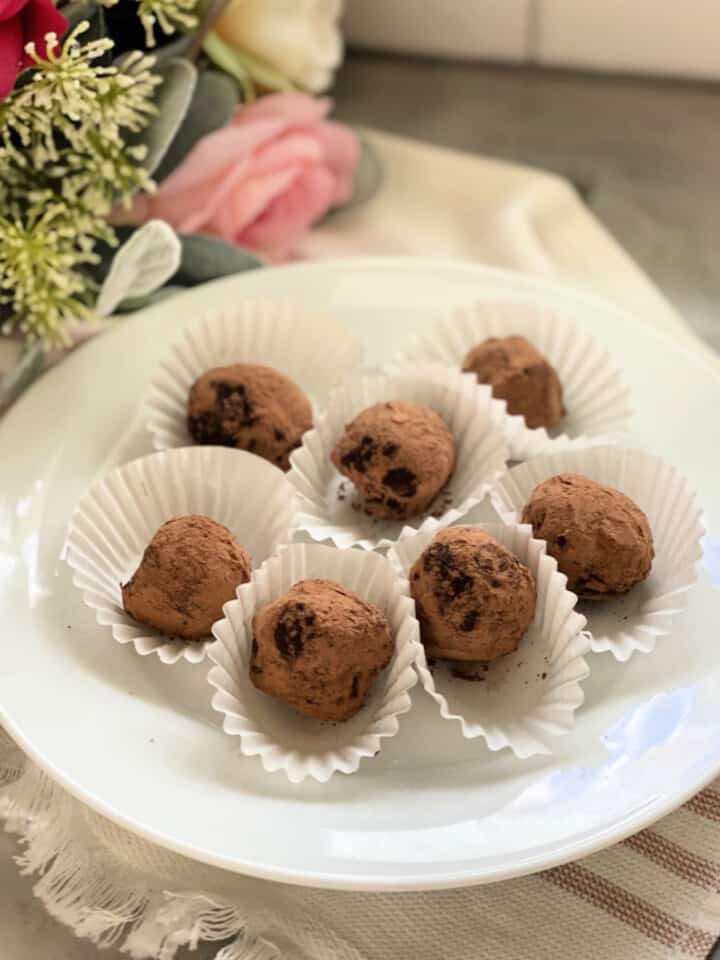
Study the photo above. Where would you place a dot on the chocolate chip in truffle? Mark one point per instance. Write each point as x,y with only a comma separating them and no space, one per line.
469,621
451,582
390,449
402,481
289,633
354,687
360,456
235,398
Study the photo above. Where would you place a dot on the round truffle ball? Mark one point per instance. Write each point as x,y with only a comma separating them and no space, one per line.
601,540
474,599
190,568
399,455
319,648
251,407
519,374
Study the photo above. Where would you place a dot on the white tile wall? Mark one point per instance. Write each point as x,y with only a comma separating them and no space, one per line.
473,29
675,37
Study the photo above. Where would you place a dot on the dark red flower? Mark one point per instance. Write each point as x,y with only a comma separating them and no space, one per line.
20,22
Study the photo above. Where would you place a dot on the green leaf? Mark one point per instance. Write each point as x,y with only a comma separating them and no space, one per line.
263,74
176,48
212,105
139,303
172,100
28,368
206,258
242,65
228,60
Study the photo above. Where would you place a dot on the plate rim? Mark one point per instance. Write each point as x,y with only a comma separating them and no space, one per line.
644,816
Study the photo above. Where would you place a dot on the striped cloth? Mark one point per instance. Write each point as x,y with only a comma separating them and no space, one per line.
656,896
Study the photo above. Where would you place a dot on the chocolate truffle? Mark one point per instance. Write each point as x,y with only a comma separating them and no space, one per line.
474,599
601,540
190,568
252,407
519,374
399,455
319,648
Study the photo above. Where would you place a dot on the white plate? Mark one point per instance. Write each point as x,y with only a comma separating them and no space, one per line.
138,740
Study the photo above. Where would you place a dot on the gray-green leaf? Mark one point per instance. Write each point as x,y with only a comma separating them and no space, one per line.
212,105
176,48
206,258
367,181
172,100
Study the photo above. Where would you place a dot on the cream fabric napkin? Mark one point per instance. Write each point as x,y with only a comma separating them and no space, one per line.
656,896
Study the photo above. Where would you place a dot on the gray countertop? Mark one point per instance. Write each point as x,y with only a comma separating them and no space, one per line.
643,155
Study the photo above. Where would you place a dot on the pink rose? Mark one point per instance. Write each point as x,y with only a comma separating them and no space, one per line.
261,181
20,22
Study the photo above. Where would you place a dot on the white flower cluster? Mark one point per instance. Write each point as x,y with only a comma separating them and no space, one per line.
72,119
64,161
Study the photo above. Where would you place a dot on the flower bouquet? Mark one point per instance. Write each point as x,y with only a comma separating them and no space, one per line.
149,145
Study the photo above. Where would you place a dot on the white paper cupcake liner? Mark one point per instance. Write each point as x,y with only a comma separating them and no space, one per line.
524,700
595,396
331,509
119,515
635,620
314,350
282,738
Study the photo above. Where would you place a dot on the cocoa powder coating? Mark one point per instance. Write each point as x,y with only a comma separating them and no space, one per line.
519,374
474,599
601,540
399,455
319,648
251,407
189,569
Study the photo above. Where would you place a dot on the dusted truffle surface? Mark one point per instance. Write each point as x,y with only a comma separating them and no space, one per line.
190,568
474,598
251,407
519,374
319,648
601,540
399,455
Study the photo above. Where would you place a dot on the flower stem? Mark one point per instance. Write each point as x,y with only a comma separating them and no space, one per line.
213,11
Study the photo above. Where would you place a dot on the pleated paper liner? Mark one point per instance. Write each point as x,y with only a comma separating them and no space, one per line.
330,507
596,399
525,700
636,620
282,738
314,350
118,516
